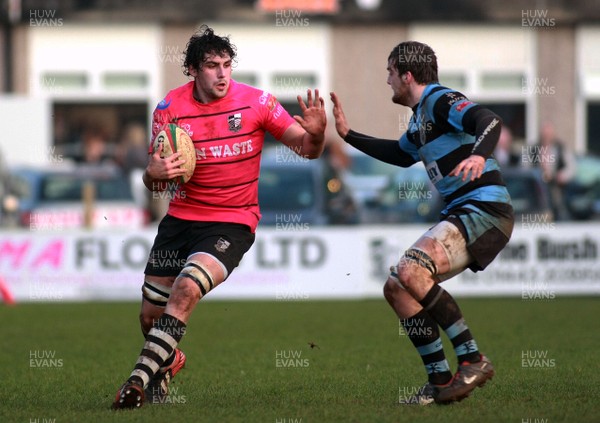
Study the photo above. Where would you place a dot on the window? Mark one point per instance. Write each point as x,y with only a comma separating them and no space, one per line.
245,78
288,85
593,128
513,116
59,81
125,81
504,81
456,81
102,126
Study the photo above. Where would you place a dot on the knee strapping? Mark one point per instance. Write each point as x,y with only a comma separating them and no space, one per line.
197,272
156,294
420,258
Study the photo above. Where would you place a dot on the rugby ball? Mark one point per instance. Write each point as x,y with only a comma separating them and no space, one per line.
176,140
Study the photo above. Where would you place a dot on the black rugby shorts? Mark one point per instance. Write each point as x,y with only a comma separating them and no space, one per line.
177,239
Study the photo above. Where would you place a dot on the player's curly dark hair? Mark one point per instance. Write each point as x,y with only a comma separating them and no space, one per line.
418,58
202,43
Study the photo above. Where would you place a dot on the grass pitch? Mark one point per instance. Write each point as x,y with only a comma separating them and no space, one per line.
342,361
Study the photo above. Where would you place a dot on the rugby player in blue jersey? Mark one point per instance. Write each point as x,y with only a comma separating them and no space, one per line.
454,138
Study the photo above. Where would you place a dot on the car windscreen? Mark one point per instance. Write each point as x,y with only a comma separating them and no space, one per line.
524,192
363,165
285,188
64,188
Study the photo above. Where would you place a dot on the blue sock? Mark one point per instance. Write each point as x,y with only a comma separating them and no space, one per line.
445,311
423,332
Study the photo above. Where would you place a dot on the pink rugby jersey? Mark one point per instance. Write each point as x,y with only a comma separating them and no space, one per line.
228,136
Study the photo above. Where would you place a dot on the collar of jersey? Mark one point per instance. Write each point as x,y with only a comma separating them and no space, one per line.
424,95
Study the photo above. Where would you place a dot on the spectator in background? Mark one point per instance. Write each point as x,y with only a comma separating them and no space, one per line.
132,151
504,152
95,147
557,164
9,204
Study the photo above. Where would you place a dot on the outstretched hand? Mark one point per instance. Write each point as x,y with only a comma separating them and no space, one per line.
165,168
473,164
341,124
313,119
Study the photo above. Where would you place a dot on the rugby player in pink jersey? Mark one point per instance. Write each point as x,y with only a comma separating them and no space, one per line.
212,218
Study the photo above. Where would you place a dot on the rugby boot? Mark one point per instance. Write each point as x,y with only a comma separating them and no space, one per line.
158,388
468,377
130,395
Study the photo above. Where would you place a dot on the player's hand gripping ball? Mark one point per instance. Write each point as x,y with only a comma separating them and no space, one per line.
176,140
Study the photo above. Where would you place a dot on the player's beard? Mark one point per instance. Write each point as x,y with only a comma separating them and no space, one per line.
399,99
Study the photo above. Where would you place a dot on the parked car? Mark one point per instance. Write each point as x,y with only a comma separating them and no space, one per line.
412,198
53,198
528,192
582,194
295,190
367,177
408,197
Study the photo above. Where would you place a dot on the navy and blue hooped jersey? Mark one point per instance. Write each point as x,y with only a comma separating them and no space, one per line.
437,136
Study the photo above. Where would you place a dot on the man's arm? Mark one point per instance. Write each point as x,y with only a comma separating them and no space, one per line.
387,151
486,126
306,137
